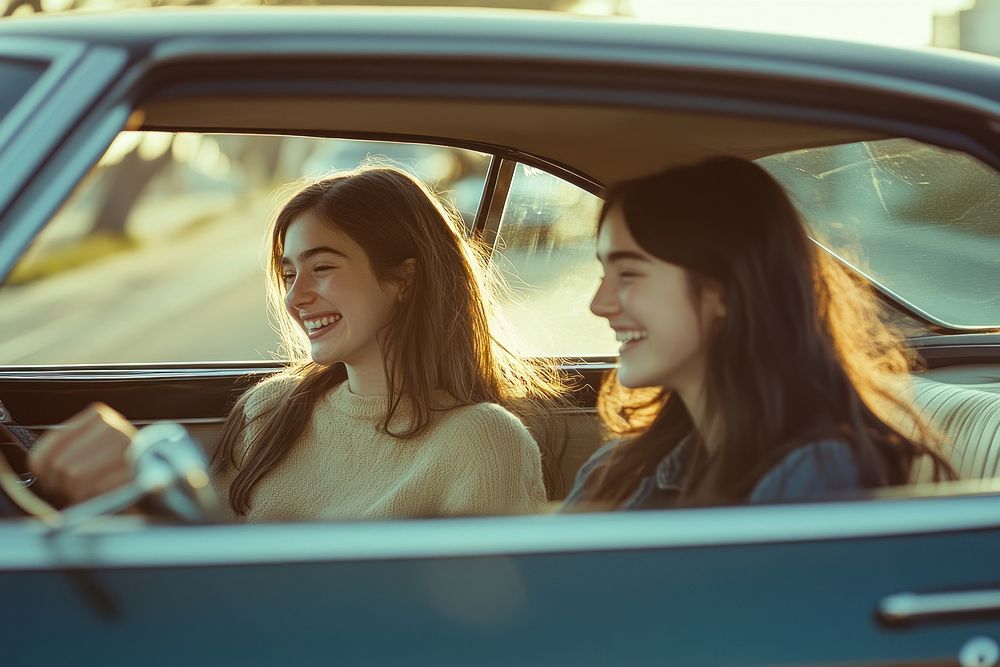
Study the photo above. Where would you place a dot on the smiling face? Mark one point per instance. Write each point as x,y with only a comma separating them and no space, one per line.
648,302
332,293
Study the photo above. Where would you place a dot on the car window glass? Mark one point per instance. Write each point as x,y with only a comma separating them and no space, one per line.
159,254
16,77
545,248
922,221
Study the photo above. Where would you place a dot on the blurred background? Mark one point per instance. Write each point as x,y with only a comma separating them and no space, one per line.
159,254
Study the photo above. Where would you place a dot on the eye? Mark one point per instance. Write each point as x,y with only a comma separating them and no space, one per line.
287,278
323,267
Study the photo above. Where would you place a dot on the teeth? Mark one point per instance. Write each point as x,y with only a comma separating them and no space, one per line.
313,325
629,336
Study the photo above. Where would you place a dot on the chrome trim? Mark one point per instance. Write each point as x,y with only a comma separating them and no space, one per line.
133,372
486,198
912,607
27,373
194,421
218,421
124,542
498,203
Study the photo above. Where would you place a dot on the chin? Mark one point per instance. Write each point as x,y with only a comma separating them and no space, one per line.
632,380
323,357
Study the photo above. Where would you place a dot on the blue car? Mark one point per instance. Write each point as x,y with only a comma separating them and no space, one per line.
140,155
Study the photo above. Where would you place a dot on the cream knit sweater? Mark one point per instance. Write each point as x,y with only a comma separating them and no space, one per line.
472,460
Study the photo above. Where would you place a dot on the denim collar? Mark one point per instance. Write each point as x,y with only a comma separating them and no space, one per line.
672,468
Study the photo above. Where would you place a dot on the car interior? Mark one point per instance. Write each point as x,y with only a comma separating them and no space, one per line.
588,146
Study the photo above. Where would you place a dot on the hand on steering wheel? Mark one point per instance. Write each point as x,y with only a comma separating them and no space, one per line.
85,457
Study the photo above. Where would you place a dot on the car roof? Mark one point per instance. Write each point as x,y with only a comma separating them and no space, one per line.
597,99
525,33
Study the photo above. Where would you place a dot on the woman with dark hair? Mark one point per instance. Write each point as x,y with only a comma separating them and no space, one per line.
753,368
399,398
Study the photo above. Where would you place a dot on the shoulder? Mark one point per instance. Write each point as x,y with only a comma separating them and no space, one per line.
484,430
596,460
263,396
483,418
813,471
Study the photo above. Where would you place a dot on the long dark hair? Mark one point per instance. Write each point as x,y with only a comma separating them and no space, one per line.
801,353
443,336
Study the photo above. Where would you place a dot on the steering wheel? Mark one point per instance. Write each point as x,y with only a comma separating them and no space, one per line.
16,495
170,473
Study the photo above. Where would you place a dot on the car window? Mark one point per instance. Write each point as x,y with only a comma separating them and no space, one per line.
545,248
159,254
922,221
16,77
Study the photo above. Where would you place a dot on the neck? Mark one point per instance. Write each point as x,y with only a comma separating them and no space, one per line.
367,379
694,401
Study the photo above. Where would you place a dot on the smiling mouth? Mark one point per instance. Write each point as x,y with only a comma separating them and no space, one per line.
320,326
628,345
629,339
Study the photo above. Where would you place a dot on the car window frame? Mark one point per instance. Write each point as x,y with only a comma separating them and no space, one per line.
35,129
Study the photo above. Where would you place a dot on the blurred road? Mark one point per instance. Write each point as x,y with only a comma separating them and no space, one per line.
194,297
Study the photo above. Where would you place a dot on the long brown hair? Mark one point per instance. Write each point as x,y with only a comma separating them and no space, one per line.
444,335
801,353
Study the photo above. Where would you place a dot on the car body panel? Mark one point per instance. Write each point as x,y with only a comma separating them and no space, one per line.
631,589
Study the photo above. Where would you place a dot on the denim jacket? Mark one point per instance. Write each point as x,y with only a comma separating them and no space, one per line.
816,470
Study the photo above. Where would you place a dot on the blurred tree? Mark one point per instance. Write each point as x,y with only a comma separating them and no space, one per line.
22,6
119,198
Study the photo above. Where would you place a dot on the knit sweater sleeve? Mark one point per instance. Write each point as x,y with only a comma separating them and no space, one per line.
260,399
496,466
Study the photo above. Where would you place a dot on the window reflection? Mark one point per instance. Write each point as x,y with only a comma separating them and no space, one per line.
922,221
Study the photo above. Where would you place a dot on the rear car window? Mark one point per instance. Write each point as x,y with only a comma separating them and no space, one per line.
16,77
921,221
159,254
545,249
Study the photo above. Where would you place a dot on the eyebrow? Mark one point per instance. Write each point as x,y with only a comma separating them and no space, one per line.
312,252
622,255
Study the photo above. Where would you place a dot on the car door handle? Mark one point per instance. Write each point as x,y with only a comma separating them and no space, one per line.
916,607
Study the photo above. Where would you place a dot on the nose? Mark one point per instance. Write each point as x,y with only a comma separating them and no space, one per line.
299,293
605,302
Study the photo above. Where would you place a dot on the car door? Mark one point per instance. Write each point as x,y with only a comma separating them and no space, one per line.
880,581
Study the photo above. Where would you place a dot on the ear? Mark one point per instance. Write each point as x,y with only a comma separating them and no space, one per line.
407,269
720,306
714,298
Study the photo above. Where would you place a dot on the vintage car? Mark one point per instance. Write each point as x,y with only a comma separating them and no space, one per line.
192,119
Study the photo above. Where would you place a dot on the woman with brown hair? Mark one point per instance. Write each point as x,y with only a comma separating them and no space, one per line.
395,402
753,368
